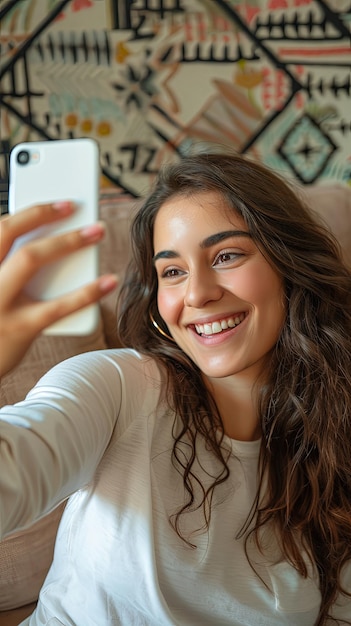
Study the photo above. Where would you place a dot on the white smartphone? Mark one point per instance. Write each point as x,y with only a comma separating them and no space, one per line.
50,171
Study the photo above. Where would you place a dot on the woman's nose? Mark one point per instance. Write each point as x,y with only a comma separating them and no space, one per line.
201,287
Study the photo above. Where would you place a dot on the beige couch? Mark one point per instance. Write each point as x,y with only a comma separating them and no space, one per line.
25,556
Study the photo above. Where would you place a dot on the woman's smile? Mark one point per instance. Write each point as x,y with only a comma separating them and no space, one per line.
219,326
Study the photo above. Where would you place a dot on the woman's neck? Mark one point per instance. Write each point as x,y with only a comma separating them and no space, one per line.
236,399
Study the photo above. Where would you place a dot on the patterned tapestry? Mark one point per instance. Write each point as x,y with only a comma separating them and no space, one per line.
150,78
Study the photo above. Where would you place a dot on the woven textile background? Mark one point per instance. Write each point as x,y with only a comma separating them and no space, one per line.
149,78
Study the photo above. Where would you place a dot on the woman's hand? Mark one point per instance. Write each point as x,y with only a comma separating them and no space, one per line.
21,319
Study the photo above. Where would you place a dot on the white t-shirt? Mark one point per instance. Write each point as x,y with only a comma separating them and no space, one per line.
97,426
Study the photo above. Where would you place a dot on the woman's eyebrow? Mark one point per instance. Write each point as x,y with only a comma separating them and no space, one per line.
218,237
206,243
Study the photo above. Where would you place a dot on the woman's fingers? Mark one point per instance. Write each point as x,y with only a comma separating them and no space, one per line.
21,323
13,226
41,314
54,310
34,255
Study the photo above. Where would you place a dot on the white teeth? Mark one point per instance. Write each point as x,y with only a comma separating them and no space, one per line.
218,326
212,329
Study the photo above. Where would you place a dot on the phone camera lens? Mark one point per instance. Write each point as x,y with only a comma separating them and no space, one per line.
23,157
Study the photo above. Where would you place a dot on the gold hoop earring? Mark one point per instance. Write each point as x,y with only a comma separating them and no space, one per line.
159,329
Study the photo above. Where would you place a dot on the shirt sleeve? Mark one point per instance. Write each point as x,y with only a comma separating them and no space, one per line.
52,442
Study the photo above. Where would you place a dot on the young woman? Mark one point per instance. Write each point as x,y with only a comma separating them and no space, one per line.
209,460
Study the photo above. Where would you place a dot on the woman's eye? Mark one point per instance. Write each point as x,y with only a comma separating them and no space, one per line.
226,257
170,273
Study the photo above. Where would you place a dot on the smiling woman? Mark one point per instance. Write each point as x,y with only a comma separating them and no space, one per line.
209,461
256,298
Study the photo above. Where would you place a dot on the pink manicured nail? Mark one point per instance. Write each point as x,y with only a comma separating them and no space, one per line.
64,206
107,283
93,231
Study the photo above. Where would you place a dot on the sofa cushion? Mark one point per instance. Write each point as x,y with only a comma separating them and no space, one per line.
117,213
13,617
25,558
332,204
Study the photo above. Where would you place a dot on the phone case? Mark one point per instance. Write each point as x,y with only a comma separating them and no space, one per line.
50,171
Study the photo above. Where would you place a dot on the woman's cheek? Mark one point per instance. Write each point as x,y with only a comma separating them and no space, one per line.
167,303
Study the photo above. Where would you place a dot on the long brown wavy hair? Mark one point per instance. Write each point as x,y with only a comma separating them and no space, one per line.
305,407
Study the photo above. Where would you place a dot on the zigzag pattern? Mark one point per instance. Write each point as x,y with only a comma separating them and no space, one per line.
80,67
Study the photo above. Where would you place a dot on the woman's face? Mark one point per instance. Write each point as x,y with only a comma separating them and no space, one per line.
221,300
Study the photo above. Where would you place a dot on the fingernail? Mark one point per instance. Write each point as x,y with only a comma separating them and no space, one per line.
93,232
107,283
64,206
